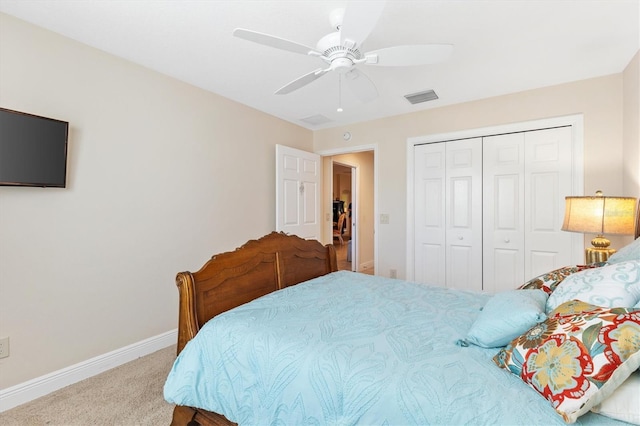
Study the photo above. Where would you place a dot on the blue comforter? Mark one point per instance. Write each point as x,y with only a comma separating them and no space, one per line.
349,348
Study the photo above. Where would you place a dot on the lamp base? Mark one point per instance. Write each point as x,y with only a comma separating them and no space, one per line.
594,254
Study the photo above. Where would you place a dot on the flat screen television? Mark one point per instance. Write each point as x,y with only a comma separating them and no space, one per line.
33,150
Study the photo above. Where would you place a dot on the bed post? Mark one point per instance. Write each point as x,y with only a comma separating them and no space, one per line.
332,262
187,319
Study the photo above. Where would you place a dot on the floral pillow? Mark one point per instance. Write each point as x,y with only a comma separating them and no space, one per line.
549,281
577,357
616,285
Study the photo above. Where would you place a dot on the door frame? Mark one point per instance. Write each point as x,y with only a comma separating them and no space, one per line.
327,233
576,121
353,235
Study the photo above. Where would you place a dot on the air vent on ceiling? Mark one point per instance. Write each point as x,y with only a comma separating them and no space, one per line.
316,119
416,98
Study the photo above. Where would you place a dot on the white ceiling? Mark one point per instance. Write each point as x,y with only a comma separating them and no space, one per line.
500,46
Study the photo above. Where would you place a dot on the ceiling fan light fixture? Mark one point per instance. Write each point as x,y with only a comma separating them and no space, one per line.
419,97
340,50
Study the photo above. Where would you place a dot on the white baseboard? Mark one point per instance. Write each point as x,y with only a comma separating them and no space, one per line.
366,265
43,385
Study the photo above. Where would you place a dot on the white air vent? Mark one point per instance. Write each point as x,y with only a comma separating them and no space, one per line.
416,98
316,119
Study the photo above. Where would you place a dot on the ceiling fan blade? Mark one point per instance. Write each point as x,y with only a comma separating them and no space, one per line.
301,81
409,55
360,17
361,85
269,40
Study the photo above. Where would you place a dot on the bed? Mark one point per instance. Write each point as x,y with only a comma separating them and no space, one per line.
272,333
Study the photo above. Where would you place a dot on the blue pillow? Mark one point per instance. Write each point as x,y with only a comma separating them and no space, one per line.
626,253
506,316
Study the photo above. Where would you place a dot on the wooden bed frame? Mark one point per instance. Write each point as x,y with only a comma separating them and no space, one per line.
233,278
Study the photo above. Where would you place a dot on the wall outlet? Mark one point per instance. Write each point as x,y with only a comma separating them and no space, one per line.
393,273
384,219
4,347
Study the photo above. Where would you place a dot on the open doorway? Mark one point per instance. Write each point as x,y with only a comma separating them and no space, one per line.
351,192
344,197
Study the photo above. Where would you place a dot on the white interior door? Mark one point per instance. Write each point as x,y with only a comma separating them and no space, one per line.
448,217
553,168
430,232
503,211
548,155
464,214
298,189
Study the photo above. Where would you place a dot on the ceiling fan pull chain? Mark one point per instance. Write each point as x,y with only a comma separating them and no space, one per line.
339,93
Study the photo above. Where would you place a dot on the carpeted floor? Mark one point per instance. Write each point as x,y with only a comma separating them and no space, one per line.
127,395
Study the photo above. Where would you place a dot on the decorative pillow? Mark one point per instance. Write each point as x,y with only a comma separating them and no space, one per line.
626,253
616,285
576,360
624,402
506,316
549,281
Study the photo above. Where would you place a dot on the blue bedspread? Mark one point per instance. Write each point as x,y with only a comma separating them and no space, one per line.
349,348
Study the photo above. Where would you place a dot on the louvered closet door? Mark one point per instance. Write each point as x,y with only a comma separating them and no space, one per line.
548,180
429,199
503,211
463,198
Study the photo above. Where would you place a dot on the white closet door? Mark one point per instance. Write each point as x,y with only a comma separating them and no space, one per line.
503,210
547,181
463,198
429,199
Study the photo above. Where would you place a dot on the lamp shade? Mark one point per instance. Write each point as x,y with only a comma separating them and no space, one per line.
600,215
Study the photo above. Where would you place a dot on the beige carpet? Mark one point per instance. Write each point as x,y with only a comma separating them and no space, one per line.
127,395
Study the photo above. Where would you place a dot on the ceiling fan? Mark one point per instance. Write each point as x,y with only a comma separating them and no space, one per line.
340,50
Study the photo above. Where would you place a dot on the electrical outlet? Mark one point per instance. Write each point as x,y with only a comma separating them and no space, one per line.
384,219
4,347
393,273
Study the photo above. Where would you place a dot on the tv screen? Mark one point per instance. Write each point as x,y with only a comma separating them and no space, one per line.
33,150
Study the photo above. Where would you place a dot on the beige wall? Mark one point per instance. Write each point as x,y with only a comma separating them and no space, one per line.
159,180
600,100
631,128
90,268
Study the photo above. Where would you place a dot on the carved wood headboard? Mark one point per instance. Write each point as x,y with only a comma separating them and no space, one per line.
257,268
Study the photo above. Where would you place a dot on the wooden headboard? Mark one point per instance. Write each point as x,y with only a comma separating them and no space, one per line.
637,234
257,268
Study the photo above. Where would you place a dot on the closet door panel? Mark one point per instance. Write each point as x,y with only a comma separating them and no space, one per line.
491,209
460,267
429,187
548,180
430,264
463,195
503,212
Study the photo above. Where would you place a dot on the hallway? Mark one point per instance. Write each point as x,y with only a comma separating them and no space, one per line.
341,255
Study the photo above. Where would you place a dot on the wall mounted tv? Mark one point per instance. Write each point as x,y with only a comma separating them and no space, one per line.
33,150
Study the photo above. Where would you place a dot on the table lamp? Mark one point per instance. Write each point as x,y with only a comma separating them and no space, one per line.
600,215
